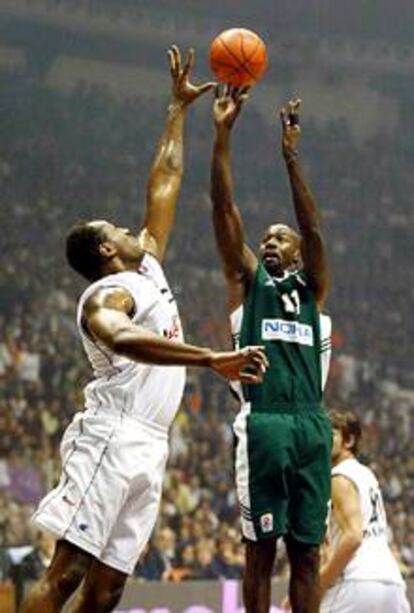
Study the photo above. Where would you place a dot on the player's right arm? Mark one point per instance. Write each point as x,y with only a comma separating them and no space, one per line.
238,260
107,318
166,172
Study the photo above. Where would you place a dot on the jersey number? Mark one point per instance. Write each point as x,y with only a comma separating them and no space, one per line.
291,302
377,509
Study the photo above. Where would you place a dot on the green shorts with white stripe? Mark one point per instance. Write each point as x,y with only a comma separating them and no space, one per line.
282,467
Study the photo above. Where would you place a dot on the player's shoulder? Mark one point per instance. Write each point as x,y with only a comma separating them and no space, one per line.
150,266
108,296
354,470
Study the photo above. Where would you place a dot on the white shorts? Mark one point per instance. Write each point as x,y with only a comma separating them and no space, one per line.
109,492
365,597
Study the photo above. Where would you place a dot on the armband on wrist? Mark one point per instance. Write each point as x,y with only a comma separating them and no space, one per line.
291,155
175,107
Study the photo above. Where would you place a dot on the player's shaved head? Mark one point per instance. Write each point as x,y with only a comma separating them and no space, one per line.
280,249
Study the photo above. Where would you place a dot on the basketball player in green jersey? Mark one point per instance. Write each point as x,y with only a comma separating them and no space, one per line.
282,459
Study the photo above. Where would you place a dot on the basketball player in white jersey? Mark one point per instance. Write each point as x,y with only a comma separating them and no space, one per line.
360,574
114,453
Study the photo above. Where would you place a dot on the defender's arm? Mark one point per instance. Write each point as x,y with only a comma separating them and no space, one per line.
313,250
107,317
166,173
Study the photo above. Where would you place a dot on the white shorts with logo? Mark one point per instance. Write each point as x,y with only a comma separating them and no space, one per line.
109,492
365,597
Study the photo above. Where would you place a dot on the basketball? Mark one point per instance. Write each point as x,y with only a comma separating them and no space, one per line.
238,57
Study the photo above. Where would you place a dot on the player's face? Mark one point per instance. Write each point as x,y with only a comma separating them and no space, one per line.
127,245
280,249
338,445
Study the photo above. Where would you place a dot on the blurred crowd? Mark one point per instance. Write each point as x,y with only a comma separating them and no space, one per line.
85,155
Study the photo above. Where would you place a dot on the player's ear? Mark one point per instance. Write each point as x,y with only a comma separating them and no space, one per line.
350,442
297,262
107,250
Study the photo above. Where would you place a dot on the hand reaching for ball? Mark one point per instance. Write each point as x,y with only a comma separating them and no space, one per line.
290,127
184,92
227,105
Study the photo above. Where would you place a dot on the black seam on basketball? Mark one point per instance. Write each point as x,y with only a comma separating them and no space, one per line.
223,64
248,59
234,56
231,70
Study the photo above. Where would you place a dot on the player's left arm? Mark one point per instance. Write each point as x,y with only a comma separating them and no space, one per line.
313,250
167,169
346,508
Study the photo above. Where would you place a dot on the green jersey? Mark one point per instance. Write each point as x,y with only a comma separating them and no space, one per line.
281,314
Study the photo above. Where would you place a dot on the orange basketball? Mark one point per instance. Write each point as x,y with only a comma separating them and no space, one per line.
238,57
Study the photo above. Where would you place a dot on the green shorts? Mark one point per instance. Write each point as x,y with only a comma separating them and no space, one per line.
283,474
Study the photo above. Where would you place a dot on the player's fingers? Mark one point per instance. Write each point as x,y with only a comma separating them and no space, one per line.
242,99
189,63
227,91
172,61
245,377
258,363
284,117
205,87
245,89
177,57
240,94
293,112
294,104
255,348
257,356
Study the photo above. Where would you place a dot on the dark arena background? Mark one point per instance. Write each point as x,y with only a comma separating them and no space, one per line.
84,85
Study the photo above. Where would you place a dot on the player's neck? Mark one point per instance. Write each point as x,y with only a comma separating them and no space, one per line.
117,265
344,455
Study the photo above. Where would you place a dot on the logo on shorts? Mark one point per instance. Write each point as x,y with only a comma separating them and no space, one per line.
83,527
66,499
266,522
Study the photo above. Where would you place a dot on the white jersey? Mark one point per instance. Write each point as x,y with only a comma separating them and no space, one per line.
373,560
122,386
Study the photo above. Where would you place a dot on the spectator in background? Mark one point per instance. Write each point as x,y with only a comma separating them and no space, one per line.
38,560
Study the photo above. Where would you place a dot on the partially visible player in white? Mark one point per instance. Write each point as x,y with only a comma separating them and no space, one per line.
114,452
360,573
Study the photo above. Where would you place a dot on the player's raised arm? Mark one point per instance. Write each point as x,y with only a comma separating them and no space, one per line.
167,169
107,318
308,217
239,262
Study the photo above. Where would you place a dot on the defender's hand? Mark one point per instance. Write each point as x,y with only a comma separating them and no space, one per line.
183,91
233,364
227,105
290,127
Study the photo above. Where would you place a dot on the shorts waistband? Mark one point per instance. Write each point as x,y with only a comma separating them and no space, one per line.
150,426
126,419
290,407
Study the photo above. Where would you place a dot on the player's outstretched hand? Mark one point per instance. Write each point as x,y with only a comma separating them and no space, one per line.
183,90
227,104
290,127
247,365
